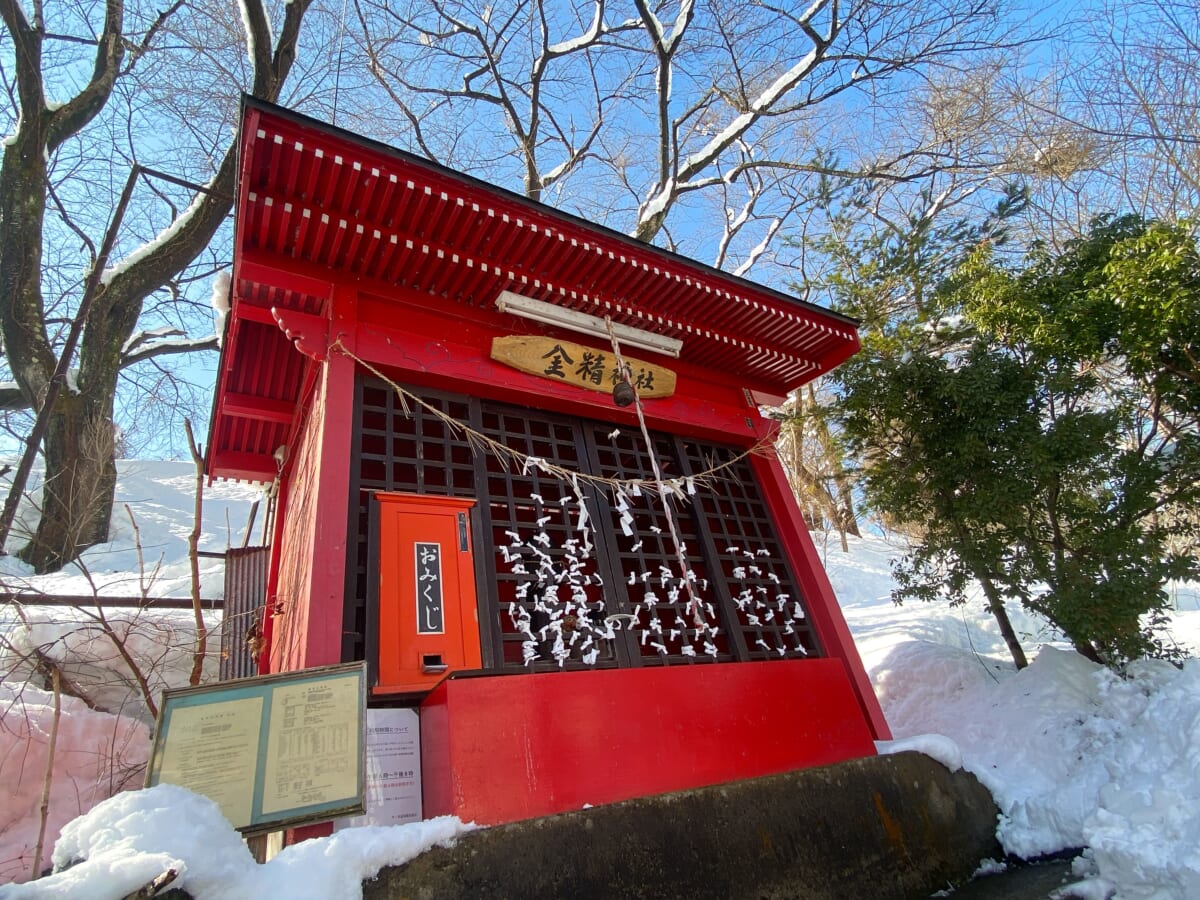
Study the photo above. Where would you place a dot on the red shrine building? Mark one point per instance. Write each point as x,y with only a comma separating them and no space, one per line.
583,604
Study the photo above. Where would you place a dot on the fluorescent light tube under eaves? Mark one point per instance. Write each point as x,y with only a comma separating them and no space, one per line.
548,314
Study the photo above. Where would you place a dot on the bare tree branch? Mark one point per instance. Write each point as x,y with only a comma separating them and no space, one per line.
73,115
81,424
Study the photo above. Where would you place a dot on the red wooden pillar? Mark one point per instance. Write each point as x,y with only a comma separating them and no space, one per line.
328,476
814,582
323,641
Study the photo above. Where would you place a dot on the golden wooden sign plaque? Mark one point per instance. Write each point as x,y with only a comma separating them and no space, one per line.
584,367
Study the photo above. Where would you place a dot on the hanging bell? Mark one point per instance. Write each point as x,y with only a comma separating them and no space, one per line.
623,393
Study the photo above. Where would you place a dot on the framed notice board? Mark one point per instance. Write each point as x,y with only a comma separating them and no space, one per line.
273,752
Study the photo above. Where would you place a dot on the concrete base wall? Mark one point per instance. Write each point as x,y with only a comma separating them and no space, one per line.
897,826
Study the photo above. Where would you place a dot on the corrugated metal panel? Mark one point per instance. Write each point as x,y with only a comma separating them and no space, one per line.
245,599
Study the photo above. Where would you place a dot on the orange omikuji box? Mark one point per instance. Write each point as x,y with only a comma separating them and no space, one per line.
428,622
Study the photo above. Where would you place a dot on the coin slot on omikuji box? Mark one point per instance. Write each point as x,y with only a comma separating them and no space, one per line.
432,663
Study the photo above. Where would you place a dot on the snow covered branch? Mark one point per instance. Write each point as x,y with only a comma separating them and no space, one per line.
150,349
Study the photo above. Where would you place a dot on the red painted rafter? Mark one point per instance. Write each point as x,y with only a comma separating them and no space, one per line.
517,235
241,466
425,256
250,406
319,208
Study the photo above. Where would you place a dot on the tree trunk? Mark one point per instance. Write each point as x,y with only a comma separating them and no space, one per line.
841,498
1088,650
80,482
848,521
996,605
811,473
80,475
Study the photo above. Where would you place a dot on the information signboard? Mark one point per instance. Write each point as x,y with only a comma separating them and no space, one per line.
273,752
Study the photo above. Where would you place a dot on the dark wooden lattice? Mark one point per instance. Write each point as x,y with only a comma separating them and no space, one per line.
770,612
549,597
398,448
554,595
663,621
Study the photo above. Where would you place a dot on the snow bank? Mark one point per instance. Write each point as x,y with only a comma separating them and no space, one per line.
1074,754
161,496
935,746
97,754
161,643
1145,830
130,839
1077,756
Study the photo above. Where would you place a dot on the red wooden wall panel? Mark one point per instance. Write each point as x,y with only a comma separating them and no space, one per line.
296,560
814,582
503,748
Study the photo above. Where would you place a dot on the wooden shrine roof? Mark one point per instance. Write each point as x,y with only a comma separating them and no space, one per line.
316,205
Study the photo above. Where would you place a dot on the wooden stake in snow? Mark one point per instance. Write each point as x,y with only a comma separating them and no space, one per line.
193,557
44,807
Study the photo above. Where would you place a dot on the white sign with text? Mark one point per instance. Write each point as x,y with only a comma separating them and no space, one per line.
393,775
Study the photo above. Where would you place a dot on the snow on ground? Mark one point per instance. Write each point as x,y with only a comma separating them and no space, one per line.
1075,755
160,497
87,640
160,642
134,837
103,749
